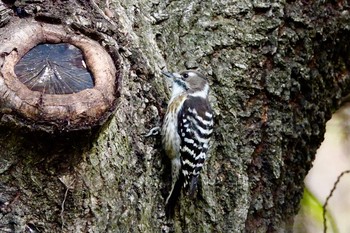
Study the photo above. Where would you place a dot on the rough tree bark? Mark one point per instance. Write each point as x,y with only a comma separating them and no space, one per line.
277,70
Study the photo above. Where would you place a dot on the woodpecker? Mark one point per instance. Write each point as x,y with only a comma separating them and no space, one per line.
186,130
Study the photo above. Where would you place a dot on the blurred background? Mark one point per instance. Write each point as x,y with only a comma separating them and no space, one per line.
333,158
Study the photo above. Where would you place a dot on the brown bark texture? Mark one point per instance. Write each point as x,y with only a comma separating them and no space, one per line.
277,70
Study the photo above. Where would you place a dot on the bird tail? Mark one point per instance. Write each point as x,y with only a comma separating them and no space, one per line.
192,186
173,197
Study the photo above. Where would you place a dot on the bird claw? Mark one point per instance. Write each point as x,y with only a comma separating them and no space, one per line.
153,132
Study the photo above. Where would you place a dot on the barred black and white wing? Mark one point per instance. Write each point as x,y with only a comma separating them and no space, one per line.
195,126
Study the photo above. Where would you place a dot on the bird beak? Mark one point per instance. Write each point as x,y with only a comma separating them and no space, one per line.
168,74
172,76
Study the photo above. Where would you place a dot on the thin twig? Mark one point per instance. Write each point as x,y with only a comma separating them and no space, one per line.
62,207
327,199
68,187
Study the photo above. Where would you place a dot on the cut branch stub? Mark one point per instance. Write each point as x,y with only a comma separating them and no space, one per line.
42,89
54,69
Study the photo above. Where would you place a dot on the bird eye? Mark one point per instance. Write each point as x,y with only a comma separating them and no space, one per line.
185,75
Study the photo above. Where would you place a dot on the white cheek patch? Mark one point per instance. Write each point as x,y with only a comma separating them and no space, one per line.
191,74
203,93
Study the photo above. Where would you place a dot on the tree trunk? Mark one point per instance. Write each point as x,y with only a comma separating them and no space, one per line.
276,71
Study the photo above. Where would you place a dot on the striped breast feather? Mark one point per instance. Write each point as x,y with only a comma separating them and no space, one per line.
195,126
